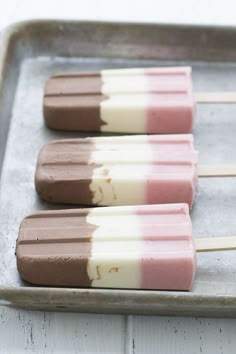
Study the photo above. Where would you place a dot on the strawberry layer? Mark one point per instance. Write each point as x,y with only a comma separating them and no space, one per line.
171,109
176,180
169,263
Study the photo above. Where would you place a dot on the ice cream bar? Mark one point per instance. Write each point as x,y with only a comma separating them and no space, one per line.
148,100
136,247
124,170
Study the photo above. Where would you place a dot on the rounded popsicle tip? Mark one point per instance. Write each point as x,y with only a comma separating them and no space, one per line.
48,110
42,178
22,262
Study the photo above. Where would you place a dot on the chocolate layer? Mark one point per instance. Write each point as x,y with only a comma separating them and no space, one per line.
53,248
72,102
63,173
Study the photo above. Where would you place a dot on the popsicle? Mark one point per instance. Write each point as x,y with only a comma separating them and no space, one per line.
132,247
136,247
154,100
142,100
124,170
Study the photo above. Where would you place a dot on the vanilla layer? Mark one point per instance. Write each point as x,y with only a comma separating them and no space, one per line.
115,264
122,85
124,113
126,102
110,73
114,261
121,179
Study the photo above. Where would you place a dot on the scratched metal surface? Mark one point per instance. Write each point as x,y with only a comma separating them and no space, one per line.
28,58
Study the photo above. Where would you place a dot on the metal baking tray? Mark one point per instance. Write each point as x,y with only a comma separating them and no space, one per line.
32,51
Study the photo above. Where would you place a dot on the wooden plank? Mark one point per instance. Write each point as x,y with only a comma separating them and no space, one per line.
170,335
40,332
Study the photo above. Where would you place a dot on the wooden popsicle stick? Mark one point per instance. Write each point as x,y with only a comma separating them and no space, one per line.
215,97
212,244
217,171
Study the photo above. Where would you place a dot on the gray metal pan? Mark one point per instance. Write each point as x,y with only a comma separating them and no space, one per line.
29,53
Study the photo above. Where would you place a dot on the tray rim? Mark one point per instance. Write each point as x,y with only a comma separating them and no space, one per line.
110,300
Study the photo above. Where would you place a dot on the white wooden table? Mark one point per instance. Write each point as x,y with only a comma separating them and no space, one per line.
38,332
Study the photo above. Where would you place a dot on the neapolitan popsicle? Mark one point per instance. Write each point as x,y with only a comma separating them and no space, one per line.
136,247
145,100
125,170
